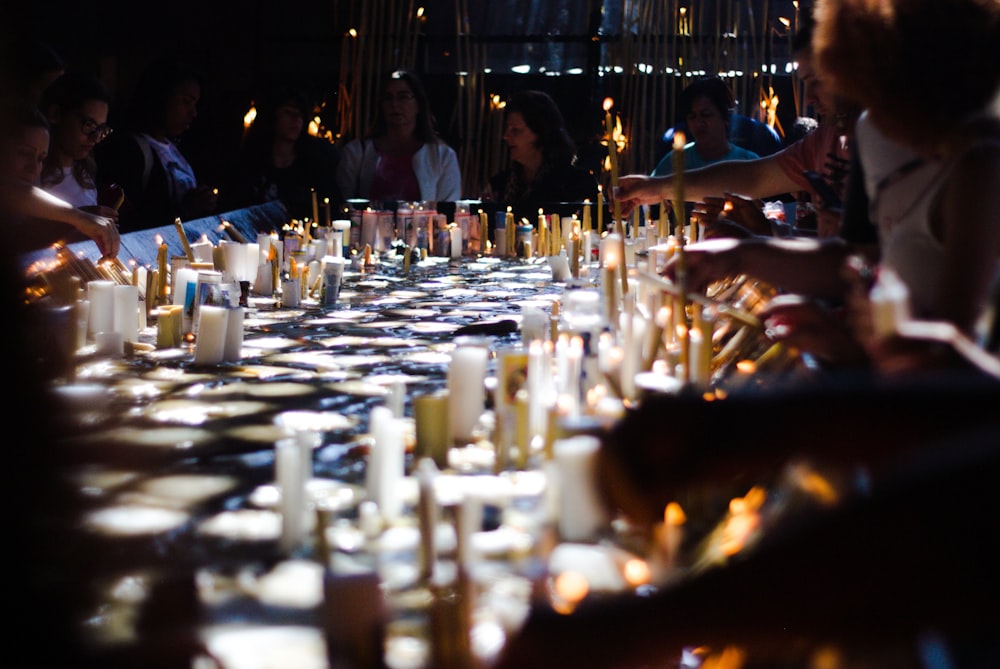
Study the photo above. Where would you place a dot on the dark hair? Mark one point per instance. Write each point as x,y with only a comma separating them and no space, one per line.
715,90
30,60
160,79
69,93
541,114
424,131
260,135
19,114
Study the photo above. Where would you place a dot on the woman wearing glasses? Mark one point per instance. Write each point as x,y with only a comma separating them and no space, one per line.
402,158
76,106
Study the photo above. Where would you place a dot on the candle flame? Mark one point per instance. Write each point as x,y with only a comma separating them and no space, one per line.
608,104
250,116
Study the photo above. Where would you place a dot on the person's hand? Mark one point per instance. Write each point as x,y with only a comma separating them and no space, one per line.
102,230
705,263
201,201
637,189
744,211
811,327
102,211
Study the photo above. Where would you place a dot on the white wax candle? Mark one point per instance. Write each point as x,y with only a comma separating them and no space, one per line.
234,334
291,292
344,228
127,312
110,343
581,513
386,462
210,345
82,322
236,260
466,378
102,305
202,251
185,280
456,242
560,267
288,475
369,228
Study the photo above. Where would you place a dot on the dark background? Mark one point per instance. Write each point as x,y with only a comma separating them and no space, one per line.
239,46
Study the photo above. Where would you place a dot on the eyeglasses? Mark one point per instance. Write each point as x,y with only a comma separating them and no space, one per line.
93,130
402,96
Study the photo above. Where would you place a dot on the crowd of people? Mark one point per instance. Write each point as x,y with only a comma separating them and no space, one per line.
902,188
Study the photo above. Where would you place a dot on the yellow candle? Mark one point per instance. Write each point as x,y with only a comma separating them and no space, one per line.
586,216
326,210
315,206
543,234
184,240
484,232
161,262
600,210
511,232
612,146
677,179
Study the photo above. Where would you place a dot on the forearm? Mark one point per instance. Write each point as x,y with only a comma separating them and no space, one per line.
804,266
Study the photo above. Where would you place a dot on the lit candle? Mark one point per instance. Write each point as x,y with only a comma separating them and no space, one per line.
677,179
315,207
600,210
484,232
612,145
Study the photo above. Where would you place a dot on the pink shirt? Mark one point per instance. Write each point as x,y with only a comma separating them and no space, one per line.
825,151
395,179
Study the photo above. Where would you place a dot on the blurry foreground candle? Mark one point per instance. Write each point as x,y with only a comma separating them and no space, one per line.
466,379
110,343
100,294
386,462
169,322
431,412
581,514
127,312
611,257
210,345
289,476
234,334
677,179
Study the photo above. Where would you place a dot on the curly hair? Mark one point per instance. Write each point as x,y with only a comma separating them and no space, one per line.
910,60
541,114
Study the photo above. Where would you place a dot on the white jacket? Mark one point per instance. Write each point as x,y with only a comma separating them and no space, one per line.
435,165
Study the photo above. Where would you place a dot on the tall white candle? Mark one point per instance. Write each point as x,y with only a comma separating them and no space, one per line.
210,345
127,312
386,462
466,378
101,295
456,242
581,515
288,474
185,279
